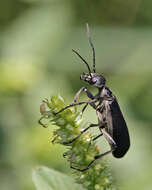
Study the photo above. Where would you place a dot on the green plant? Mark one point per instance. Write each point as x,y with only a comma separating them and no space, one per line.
82,151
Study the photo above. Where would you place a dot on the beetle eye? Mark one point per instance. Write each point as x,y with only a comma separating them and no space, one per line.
94,80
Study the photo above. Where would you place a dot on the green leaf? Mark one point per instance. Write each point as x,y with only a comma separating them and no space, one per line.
49,179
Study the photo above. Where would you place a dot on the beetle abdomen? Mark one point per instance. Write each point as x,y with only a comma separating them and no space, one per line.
120,131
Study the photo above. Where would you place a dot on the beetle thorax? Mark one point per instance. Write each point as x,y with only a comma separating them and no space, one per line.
106,93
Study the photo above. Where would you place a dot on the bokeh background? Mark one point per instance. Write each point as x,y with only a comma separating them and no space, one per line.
36,61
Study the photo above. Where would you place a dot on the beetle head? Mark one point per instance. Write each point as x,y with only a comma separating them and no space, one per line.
93,79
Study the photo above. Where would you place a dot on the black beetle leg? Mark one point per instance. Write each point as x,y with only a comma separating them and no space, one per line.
83,109
83,131
95,138
95,158
113,147
40,122
76,104
82,170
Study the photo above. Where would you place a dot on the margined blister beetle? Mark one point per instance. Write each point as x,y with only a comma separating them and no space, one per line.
111,122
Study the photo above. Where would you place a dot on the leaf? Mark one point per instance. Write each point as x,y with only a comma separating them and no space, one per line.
49,179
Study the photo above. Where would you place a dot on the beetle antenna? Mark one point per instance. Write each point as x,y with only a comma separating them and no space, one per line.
92,46
82,60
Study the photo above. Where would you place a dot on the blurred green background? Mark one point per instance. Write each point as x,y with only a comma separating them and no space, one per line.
36,61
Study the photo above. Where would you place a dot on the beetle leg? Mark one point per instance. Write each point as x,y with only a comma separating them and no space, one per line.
83,131
108,138
54,139
82,170
95,158
79,92
88,93
76,104
113,147
99,134
95,138
40,122
83,109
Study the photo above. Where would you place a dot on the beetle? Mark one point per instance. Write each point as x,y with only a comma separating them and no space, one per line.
111,122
